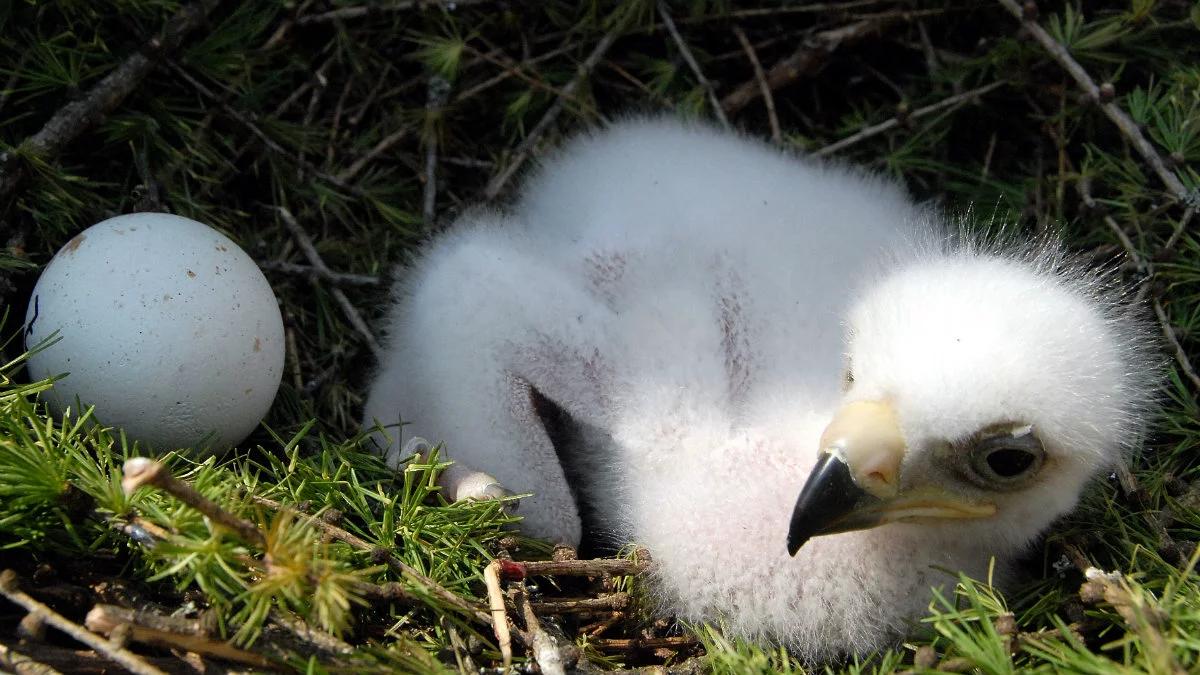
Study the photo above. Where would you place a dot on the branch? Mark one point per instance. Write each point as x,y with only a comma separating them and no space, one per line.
807,58
374,9
78,116
400,567
20,664
692,63
491,579
128,660
245,120
313,273
875,130
1146,268
1101,96
155,629
616,567
526,145
314,259
141,471
763,87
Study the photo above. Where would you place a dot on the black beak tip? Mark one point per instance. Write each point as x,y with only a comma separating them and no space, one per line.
828,495
794,544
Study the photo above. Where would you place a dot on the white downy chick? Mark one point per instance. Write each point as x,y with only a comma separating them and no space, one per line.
699,321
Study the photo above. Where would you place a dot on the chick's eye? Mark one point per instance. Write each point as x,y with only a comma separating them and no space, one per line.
1006,460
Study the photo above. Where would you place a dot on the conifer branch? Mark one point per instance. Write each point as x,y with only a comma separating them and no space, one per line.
1147,268
665,13
808,57
73,119
141,471
314,259
1101,95
763,87
405,570
887,125
497,183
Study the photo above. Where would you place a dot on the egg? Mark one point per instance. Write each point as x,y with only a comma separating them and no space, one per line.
165,325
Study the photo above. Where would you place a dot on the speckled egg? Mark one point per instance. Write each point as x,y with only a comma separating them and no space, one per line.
166,326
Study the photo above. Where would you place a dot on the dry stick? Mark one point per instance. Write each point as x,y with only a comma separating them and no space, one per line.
340,278
438,92
692,63
616,567
1114,112
876,129
526,145
314,259
1145,266
65,659
499,617
139,627
630,644
299,629
374,9
400,567
543,645
141,471
811,55
128,660
20,664
78,116
606,603
761,78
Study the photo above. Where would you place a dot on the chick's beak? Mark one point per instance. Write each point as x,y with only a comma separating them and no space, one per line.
855,483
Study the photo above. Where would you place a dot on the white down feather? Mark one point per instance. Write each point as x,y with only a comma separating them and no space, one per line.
692,299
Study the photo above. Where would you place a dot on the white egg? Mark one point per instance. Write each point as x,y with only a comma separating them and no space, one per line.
166,326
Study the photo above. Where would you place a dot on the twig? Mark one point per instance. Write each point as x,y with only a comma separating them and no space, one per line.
375,9
128,660
606,603
631,644
876,129
1181,356
616,567
507,71
1114,112
90,662
385,144
513,69
763,87
807,58
400,567
141,471
20,664
78,116
245,120
665,13
545,649
1147,268
314,259
491,580
300,630
439,91
526,145
341,278
149,628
